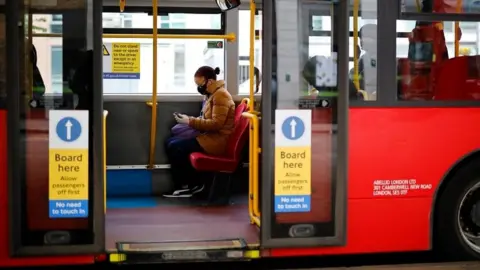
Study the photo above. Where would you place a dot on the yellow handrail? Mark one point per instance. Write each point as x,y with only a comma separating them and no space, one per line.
105,114
419,8
153,125
229,37
457,29
356,80
253,182
252,54
122,5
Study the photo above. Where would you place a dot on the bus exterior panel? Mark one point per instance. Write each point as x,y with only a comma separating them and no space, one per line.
398,145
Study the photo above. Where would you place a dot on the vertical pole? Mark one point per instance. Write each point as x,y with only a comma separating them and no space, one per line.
153,126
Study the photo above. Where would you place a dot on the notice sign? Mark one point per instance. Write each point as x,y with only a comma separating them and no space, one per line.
124,60
293,140
68,164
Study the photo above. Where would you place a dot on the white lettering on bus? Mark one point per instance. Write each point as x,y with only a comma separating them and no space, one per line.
397,187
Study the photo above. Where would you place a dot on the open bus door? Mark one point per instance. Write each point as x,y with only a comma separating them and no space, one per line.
55,133
304,171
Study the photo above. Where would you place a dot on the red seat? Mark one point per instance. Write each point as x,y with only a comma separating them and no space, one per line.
458,79
229,162
219,191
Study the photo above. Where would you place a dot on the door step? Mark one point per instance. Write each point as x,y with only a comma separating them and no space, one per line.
183,251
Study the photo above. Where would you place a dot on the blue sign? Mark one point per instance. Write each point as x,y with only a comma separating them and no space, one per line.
69,129
68,208
293,128
292,203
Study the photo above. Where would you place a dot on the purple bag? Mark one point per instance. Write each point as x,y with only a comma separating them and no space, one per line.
184,131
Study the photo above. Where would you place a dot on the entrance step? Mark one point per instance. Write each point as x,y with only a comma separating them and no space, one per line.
185,251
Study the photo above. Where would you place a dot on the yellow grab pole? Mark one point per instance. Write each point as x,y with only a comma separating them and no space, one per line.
419,8
250,170
229,37
457,29
153,126
105,114
122,5
253,202
252,54
356,80
253,183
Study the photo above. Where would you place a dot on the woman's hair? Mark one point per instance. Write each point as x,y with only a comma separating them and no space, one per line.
207,72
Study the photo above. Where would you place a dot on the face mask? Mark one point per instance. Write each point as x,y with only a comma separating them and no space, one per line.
202,89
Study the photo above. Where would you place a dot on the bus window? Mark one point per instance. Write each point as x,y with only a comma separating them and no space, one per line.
441,6
136,19
243,49
427,66
320,44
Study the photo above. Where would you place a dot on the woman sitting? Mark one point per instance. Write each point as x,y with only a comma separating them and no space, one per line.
215,125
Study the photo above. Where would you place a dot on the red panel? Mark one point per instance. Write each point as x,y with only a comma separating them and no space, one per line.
419,144
5,260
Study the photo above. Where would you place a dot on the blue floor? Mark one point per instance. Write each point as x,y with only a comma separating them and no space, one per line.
133,183
129,202
149,202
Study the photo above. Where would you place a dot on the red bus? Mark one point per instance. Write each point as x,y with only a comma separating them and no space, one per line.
351,150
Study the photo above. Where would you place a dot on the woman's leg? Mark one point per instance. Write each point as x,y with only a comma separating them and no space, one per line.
176,164
182,170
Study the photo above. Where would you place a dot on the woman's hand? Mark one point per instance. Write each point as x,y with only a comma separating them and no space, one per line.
182,119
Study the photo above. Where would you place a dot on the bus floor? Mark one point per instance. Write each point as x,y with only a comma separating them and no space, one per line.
160,220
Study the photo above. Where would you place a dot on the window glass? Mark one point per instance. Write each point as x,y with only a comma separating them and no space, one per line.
57,69
47,23
364,74
128,64
177,59
320,44
324,23
172,21
244,50
441,6
59,65
428,68
49,77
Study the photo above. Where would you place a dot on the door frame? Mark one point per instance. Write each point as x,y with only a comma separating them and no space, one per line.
269,94
16,175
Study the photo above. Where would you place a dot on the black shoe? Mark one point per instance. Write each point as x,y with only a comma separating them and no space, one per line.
180,193
197,189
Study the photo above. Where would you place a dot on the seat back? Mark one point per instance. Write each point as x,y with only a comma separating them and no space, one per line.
239,137
451,78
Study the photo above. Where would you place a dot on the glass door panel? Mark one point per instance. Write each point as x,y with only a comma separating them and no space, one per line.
55,127
307,113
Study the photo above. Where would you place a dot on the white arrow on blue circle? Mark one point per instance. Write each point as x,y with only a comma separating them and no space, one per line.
293,123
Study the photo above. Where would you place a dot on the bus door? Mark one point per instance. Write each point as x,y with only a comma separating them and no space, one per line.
305,106
55,131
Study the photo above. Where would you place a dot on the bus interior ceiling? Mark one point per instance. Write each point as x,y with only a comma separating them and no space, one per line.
136,210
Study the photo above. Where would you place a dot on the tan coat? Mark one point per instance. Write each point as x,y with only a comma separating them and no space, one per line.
217,122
